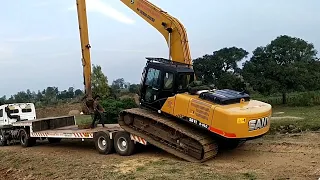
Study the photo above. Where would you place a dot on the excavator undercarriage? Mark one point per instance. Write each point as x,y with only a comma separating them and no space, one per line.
170,135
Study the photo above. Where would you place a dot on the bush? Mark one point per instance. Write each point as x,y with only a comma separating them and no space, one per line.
113,107
301,99
305,99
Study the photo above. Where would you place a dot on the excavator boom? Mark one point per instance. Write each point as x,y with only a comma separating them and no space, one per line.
85,49
170,27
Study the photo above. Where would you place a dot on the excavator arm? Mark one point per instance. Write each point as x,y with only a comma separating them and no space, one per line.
170,27
86,61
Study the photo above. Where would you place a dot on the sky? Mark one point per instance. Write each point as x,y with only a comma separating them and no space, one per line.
40,43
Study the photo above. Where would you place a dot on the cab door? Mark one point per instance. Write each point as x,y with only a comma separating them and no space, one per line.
151,88
2,117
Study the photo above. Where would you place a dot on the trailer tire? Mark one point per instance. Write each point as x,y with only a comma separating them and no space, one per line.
123,144
25,139
103,143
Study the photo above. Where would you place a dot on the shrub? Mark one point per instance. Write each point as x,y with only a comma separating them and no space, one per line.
113,107
299,99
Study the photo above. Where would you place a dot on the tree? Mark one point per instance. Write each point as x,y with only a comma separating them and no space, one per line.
70,93
21,97
118,84
50,94
78,93
221,68
99,82
3,100
134,88
39,96
281,66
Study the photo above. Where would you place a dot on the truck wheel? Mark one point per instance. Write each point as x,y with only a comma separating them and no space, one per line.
123,143
103,143
54,140
25,139
3,139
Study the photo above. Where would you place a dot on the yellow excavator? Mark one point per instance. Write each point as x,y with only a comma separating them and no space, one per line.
191,124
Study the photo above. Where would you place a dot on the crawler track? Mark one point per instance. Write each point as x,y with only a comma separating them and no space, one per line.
166,133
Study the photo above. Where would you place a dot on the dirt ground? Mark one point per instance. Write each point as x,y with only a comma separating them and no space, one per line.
295,156
273,157
60,110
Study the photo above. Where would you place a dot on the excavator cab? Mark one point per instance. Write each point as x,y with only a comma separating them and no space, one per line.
162,78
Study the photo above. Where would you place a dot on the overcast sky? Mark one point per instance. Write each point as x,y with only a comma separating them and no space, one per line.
40,45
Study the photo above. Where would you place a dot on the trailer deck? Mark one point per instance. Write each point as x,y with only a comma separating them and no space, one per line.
107,138
74,132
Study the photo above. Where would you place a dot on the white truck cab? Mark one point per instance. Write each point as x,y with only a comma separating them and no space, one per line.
10,113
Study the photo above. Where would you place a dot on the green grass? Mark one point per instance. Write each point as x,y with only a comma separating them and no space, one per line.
250,176
310,121
294,99
83,119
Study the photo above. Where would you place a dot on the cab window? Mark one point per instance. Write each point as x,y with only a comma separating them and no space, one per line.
184,80
14,111
153,78
26,110
1,112
168,81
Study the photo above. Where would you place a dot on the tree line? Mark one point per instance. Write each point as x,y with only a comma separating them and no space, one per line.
286,64
52,95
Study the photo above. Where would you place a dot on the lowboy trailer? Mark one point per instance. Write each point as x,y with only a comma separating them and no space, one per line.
106,139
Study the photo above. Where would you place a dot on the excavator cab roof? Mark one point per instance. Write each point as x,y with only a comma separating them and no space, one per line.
169,65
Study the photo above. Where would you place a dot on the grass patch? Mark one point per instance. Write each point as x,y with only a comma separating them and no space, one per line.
141,168
302,99
83,119
169,169
250,176
310,121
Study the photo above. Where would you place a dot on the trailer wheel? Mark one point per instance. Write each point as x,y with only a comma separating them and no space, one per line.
123,143
25,139
103,143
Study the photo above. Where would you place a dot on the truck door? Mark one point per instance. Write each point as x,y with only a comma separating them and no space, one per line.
2,117
14,113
